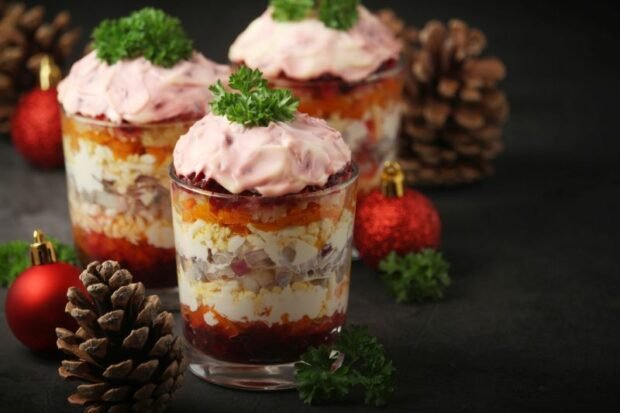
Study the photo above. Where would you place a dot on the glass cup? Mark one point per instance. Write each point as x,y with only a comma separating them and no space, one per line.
261,278
367,113
119,202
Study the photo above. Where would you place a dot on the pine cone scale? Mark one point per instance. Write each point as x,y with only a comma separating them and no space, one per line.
75,367
164,387
144,371
170,372
112,321
94,391
95,347
119,370
117,394
144,392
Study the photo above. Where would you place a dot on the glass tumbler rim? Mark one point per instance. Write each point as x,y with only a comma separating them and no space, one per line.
110,124
383,73
213,194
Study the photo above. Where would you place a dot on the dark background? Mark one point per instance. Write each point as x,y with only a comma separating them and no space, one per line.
532,321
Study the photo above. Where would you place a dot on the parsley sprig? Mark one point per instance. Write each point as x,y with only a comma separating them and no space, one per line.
291,10
339,14
335,14
355,360
254,103
416,277
149,32
15,258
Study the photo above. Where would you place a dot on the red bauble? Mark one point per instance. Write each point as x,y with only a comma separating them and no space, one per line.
401,224
35,128
35,304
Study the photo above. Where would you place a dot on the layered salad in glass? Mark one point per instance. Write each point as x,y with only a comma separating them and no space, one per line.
344,65
125,104
263,201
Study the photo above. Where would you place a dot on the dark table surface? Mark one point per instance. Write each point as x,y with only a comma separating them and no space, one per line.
532,321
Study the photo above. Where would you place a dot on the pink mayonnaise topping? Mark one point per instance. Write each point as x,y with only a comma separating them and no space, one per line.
308,49
137,91
279,159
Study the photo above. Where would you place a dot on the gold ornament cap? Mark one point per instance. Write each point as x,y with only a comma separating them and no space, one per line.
392,180
41,251
49,73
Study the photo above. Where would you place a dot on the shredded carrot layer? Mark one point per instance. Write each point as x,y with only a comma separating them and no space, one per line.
353,104
237,219
121,147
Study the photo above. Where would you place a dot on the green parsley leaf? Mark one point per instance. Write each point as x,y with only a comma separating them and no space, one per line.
339,14
15,258
149,32
246,80
317,381
355,360
416,277
256,104
291,10
335,14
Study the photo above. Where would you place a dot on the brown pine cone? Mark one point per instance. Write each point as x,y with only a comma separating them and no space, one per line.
24,38
124,348
452,126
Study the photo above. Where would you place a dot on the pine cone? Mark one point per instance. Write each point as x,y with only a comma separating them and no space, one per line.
452,126
124,347
24,39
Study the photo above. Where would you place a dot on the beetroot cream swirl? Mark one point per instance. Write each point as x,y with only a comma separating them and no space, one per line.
278,159
308,49
137,91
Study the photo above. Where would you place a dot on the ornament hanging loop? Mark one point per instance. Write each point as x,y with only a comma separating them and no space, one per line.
41,251
49,73
392,180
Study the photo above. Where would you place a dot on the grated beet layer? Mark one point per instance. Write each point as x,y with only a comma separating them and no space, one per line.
199,181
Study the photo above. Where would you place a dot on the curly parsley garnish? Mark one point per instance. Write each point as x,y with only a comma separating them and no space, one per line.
338,14
149,32
255,104
335,14
416,277
15,258
291,10
355,360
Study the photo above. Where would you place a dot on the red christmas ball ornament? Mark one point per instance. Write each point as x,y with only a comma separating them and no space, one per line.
35,303
394,218
35,125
